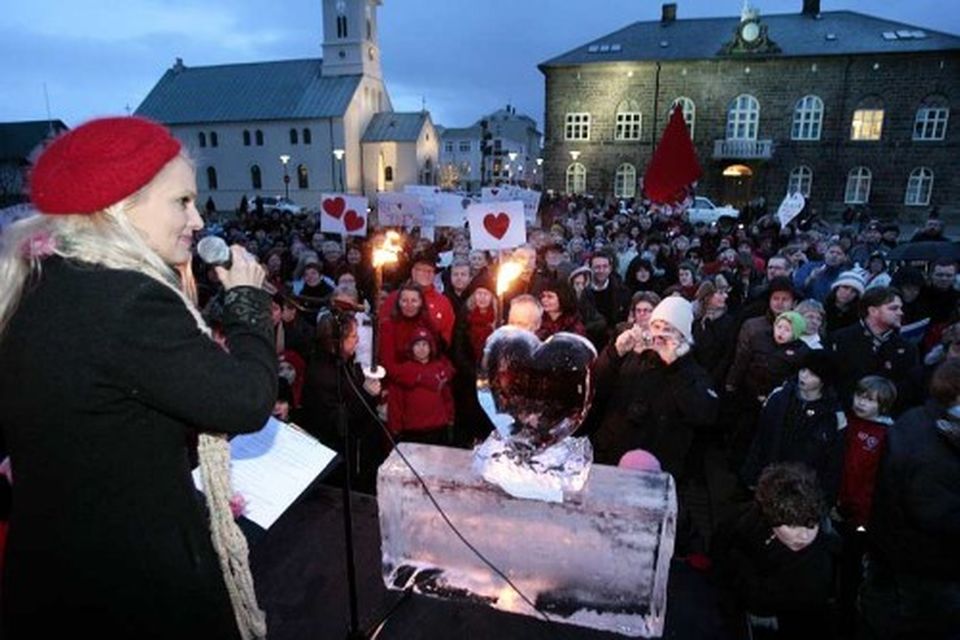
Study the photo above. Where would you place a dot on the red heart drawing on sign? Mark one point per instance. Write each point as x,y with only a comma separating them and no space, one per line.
352,220
334,206
496,225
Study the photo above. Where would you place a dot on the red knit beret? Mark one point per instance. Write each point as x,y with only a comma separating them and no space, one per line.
99,163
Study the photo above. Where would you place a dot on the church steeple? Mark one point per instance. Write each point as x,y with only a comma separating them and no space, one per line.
350,39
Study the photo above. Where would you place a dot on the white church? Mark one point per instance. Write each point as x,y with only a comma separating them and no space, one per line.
302,127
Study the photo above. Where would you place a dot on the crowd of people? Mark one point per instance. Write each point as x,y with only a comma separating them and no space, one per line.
802,389
766,368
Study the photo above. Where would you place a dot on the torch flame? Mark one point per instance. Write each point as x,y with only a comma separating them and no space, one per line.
508,272
387,252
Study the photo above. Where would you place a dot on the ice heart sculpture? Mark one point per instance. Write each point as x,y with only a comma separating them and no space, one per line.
535,393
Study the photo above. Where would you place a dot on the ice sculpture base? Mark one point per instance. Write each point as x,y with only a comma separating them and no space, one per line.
598,559
564,467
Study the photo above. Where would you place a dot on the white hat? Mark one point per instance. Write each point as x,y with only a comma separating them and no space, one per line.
852,279
678,313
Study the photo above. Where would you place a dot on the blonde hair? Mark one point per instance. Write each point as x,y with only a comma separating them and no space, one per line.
107,238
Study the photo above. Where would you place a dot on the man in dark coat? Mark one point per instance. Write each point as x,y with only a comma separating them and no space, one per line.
873,346
912,586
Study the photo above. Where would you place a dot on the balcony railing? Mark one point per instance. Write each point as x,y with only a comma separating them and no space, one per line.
743,149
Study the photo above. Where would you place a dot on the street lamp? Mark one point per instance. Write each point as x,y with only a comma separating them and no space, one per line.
286,177
513,156
338,154
574,155
539,169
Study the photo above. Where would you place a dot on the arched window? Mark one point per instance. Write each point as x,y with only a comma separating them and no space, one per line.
628,121
246,138
867,123
303,178
388,174
931,120
743,118
801,180
689,112
341,26
211,179
307,136
259,137
807,118
293,136
202,137
255,180
919,187
625,183
213,138
858,186
576,178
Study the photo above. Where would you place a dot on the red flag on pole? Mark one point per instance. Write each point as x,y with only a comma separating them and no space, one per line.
674,167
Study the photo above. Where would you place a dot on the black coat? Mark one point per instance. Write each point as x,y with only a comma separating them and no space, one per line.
652,406
915,525
859,355
794,430
105,375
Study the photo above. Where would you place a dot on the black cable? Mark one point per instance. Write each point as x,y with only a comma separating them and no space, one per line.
439,509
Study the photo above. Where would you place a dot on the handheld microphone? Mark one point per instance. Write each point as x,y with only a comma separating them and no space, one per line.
213,250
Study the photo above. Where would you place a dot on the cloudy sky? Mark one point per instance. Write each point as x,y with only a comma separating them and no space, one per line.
464,57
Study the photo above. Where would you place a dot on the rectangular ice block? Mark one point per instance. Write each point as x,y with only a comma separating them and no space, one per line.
599,559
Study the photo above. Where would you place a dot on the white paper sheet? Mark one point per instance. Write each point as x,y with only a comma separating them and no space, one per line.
272,467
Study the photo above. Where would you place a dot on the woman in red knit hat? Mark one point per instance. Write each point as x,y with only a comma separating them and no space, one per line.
108,372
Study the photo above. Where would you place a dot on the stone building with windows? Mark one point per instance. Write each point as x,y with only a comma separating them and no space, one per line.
502,146
847,108
292,126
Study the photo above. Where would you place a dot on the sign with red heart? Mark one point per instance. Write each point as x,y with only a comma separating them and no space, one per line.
334,206
343,214
496,225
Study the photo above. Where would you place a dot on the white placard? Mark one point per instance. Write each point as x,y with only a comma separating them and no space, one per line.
496,225
790,208
396,209
343,214
450,209
272,467
421,190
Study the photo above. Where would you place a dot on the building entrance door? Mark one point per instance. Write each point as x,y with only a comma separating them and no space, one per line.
737,181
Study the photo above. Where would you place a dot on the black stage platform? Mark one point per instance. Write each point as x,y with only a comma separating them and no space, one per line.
300,574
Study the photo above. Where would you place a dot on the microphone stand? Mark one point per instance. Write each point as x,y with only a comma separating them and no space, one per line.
343,428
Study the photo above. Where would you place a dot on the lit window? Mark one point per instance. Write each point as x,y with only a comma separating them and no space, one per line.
807,118
867,123
577,126
858,186
919,187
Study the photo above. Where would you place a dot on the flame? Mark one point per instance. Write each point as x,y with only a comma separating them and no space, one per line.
387,252
508,272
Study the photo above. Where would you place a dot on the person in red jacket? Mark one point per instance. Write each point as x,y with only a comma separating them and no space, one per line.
426,397
867,424
438,307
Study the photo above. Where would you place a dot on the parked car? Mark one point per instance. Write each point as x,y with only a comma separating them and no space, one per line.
703,210
281,204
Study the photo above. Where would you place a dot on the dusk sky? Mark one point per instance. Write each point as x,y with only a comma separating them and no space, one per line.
464,58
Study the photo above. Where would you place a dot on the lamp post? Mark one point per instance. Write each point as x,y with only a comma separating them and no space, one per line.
539,170
513,156
338,154
286,176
